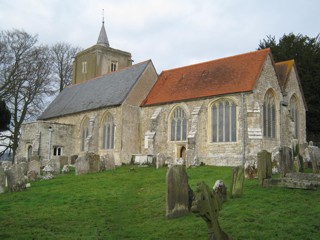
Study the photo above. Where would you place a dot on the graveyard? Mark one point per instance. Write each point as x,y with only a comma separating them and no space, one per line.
129,202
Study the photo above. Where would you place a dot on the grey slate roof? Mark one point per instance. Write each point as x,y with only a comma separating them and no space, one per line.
103,39
108,90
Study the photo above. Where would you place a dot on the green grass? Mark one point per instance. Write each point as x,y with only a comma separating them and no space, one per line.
124,204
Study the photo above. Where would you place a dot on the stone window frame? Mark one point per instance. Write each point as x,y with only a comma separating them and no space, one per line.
107,132
269,115
219,136
84,67
84,133
113,66
57,150
294,114
177,114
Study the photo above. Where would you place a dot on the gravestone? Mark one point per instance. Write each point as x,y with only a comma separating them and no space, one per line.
315,158
22,159
237,181
179,193
24,167
94,162
82,166
110,163
33,175
35,158
63,160
160,160
221,190
286,161
264,166
15,178
55,164
2,180
251,172
206,205
73,159
34,166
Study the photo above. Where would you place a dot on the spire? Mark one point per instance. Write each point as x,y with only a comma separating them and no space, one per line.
103,39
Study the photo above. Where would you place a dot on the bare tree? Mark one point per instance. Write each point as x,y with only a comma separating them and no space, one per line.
62,56
25,81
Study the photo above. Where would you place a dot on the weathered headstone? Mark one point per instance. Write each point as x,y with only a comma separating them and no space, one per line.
55,164
94,162
35,158
34,166
264,166
63,160
15,178
33,175
179,193
237,181
315,158
221,190
2,180
82,166
206,205
251,172
24,168
160,160
73,159
286,161
110,162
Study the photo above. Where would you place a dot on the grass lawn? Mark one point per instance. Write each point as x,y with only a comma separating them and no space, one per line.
124,204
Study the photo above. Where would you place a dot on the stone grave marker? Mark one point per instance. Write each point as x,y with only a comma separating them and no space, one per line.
221,190
34,166
179,193
94,162
35,158
110,163
160,160
2,180
63,160
82,166
15,178
264,166
73,159
315,158
55,164
206,205
24,167
237,181
286,161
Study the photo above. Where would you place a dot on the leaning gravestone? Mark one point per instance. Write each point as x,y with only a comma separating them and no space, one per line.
264,166
206,205
2,180
237,181
15,178
82,165
179,193
73,159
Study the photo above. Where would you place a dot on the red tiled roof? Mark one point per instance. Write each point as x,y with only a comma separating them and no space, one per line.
222,76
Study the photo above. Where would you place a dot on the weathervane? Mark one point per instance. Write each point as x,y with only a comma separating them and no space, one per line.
102,16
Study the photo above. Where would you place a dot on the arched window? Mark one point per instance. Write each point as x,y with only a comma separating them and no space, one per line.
178,125
84,133
108,133
294,115
269,116
223,121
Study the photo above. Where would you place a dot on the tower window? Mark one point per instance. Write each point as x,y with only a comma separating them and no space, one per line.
57,151
114,66
84,67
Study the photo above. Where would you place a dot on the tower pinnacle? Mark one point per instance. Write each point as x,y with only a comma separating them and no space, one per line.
103,39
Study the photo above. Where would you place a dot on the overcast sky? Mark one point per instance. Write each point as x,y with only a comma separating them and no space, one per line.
172,33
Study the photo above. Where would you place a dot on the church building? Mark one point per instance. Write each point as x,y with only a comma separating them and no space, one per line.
221,112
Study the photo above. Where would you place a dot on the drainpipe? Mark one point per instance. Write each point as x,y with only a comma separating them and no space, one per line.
243,131
50,137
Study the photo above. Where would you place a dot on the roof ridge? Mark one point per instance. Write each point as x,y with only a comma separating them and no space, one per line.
218,59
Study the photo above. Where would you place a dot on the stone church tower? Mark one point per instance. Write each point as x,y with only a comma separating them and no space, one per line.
99,59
